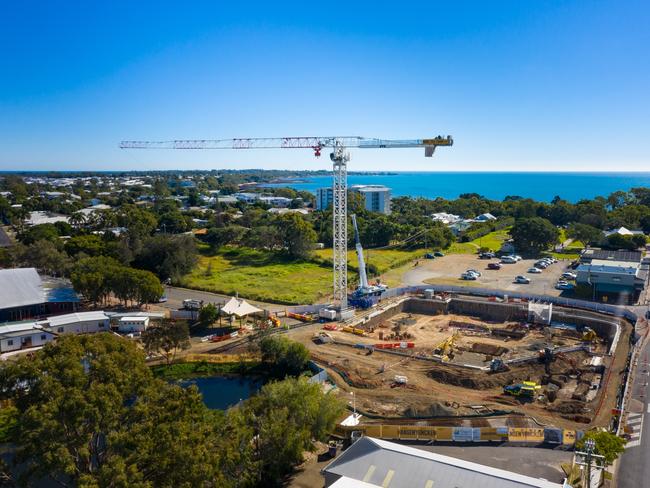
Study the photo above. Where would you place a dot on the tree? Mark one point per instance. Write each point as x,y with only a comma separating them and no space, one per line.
287,416
42,232
284,356
221,236
46,257
585,233
93,415
91,245
208,314
532,235
167,339
298,236
607,444
168,256
618,241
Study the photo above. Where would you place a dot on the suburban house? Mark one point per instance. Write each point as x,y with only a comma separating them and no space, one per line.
446,218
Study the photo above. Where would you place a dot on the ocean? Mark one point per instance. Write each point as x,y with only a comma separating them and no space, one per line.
496,186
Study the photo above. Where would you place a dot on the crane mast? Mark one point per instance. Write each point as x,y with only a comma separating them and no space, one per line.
339,156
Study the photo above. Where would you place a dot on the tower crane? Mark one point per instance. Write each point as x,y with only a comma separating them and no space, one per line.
339,156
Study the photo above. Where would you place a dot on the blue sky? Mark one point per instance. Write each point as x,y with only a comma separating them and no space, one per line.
521,85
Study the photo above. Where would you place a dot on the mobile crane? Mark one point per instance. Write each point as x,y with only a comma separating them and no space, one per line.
366,295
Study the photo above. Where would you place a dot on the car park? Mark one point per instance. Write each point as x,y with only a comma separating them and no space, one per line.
494,265
522,280
534,270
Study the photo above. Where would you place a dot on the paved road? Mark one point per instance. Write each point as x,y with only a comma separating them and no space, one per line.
175,297
634,466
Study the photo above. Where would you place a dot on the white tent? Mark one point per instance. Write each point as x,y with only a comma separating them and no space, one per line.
239,307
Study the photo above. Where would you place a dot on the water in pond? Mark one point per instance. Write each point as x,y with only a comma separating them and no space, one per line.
220,392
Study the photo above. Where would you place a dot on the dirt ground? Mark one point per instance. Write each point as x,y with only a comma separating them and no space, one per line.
447,271
437,389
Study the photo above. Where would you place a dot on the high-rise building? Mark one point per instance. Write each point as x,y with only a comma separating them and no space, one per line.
324,197
377,197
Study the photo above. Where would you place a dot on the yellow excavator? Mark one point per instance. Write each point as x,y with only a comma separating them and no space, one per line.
446,347
589,335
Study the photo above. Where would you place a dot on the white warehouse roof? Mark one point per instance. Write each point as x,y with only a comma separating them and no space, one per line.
133,319
72,318
20,287
375,460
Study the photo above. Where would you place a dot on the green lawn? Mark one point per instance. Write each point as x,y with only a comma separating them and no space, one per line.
381,259
260,275
493,241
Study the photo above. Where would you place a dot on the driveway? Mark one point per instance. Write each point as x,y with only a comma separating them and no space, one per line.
175,297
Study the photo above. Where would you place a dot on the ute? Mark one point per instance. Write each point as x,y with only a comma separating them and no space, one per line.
526,389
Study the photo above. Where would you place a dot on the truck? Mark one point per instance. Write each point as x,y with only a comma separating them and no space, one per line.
191,304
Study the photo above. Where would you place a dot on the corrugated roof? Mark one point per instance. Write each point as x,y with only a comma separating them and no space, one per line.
72,318
20,287
377,461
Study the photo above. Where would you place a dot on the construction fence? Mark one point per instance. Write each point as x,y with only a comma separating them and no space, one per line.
517,435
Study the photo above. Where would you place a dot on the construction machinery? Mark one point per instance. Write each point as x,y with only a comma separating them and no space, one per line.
339,157
588,335
446,347
525,389
366,295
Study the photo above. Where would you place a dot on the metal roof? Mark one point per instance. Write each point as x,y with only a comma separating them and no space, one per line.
631,256
72,318
20,287
394,465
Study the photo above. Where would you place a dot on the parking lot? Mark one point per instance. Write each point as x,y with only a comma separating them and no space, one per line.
447,271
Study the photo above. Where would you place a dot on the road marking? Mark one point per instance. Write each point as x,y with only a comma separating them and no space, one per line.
636,422
648,407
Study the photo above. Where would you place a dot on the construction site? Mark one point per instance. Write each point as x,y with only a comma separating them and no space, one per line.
466,361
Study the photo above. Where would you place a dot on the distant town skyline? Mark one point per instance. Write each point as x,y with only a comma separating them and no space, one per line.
521,86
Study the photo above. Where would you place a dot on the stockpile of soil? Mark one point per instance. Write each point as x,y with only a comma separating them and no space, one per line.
478,380
433,410
358,376
488,349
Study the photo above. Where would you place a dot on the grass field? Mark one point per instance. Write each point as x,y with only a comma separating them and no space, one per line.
493,241
260,275
381,259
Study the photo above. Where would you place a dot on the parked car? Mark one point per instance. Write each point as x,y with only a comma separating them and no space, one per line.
473,271
541,264
564,285
517,257
494,265
569,276
508,260
522,280
468,276
429,256
486,255
534,270
439,254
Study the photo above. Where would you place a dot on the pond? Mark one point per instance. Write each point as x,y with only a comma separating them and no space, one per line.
222,392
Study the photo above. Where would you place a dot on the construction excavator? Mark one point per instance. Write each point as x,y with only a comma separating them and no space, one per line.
446,347
525,389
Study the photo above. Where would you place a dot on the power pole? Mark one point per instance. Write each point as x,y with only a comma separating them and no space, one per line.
589,458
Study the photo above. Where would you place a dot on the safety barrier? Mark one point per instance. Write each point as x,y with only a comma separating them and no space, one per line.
517,435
